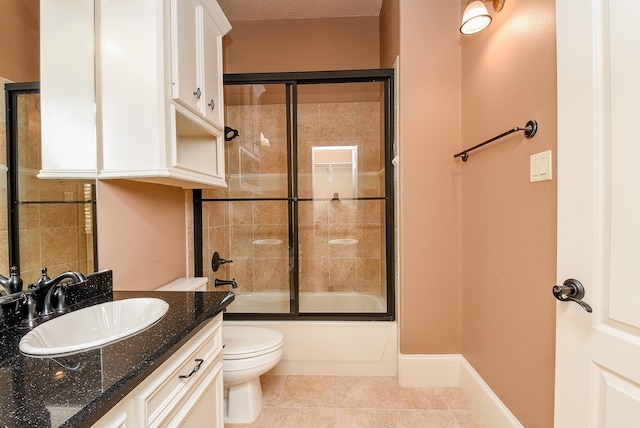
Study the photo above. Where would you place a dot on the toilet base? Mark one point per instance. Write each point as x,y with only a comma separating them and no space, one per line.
243,402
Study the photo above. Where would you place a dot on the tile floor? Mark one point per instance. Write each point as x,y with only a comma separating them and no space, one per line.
358,401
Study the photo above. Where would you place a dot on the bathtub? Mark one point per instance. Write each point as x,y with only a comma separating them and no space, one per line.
362,348
278,302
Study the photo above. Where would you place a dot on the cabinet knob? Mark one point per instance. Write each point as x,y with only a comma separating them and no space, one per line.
212,104
197,93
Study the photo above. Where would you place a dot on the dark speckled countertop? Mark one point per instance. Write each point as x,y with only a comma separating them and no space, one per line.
77,390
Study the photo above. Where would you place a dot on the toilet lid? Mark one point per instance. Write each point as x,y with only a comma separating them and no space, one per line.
245,342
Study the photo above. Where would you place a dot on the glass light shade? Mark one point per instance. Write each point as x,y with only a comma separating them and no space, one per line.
475,18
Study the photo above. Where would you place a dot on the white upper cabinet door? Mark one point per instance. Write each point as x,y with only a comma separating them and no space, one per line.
67,90
197,28
212,62
186,36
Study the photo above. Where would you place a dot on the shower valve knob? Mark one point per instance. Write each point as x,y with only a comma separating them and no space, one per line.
216,261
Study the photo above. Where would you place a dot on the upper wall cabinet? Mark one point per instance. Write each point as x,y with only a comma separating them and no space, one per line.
196,55
67,90
159,91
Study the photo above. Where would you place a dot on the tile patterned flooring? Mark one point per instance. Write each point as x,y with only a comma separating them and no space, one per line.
358,401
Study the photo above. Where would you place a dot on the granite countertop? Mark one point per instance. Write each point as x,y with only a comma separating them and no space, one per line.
77,390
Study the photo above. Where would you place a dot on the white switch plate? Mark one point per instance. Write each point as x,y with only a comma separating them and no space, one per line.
540,167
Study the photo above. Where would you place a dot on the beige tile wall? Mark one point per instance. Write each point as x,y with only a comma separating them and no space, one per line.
255,233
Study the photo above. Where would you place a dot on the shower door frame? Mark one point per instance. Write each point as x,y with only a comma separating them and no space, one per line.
291,80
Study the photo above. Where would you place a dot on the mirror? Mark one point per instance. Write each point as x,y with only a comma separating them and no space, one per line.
45,222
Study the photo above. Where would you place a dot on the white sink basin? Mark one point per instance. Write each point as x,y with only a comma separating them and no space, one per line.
93,327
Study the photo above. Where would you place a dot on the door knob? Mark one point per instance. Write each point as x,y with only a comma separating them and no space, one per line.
571,290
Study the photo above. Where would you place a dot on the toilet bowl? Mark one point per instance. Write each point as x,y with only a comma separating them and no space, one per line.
248,353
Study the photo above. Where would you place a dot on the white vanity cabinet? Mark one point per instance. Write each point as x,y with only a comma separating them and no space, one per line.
155,123
186,390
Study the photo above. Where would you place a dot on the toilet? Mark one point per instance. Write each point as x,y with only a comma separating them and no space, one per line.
186,284
248,353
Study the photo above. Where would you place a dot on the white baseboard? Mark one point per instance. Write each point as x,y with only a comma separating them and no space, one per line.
453,370
429,370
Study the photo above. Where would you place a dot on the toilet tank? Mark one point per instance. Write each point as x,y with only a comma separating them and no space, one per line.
186,284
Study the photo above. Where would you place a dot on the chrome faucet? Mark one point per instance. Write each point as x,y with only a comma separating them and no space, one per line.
53,287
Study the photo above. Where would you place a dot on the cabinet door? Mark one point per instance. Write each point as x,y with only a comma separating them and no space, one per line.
212,60
186,32
205,406
67,90
119,420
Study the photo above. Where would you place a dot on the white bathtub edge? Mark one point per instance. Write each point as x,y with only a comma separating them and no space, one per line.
453,370
356,348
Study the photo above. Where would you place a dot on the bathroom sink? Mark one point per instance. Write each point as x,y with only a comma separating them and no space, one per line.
93,327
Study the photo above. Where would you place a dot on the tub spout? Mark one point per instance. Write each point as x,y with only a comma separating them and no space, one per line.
220,282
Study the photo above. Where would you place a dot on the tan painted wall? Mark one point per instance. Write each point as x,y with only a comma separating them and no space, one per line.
20,41
389,32
509,224
302,45
141,233
429,178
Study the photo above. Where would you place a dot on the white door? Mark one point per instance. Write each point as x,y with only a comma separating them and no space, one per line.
598,353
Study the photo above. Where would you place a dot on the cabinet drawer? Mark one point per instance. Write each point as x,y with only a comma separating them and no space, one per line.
176,378
205,406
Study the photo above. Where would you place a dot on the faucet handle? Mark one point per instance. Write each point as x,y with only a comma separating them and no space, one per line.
43,279
28,312
58,296
15,282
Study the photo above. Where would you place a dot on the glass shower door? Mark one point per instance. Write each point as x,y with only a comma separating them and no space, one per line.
307,218
250,221
341,198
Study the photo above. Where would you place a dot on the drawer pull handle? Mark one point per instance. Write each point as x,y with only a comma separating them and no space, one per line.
194,369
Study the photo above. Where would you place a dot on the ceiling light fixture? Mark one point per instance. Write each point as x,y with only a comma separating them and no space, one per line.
476,17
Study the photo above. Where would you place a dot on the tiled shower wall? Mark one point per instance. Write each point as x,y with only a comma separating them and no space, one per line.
51,235
342,243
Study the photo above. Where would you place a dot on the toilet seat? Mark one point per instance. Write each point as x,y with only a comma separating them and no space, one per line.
242,342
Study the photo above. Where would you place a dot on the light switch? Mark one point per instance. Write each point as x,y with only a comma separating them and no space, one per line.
540,167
